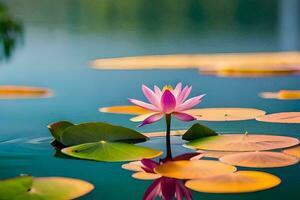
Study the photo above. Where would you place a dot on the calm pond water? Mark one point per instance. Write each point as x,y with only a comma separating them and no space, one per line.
60,39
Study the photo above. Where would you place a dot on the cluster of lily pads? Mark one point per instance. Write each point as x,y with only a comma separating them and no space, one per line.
100,141
231,150
211,166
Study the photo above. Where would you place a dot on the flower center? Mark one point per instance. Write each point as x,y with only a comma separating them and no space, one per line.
167,87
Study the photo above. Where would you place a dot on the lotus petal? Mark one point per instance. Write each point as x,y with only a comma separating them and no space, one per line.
145,176
128,110
283,117
47,188
260,159
242,142
225,114
110,152
294,151
237,182
23,92
193,169
141,118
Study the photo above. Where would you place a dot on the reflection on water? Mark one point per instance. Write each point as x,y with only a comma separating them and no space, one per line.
167,189
11,32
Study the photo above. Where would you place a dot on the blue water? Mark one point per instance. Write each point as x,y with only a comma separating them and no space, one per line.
60,39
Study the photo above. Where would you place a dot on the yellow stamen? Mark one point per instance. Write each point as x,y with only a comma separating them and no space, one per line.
167,87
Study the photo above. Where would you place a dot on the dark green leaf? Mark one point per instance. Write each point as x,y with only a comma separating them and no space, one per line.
57,128
198,131
99,131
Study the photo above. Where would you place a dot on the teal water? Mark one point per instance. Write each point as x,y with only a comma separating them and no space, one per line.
61,38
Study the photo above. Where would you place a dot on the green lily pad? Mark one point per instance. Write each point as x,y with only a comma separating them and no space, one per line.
56,129
46,188
110,151
69,134
198,131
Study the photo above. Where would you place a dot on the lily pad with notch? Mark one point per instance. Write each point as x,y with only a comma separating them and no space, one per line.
68,134
46,188
110,151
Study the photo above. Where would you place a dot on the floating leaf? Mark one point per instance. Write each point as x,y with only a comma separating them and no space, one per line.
249,71
198,131
205,114
163,133
282,95
18,92
193,169
99,131
225,114
283,117
189,156
130,110
145,176
215,154
260,159
242,142
57,128
135,166
47,188
110,151
237,182
294,151
201,61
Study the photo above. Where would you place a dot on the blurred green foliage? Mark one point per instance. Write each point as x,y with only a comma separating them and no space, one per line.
153,15
10,33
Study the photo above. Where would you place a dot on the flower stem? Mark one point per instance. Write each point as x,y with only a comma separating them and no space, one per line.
168,136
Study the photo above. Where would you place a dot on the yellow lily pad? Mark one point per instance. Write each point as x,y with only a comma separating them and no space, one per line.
215,154
250,71
294,151
193,169
225,114
128,110
260,159
23,92
163,133
282,95
47,188
237,182
135,166
283,117
145,176
206,62
216,114
242,142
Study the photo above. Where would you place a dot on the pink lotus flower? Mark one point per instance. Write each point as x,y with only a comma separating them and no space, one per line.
168,101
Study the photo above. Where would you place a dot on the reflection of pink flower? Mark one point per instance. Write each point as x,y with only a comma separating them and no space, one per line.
167,189
167,101
164,187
